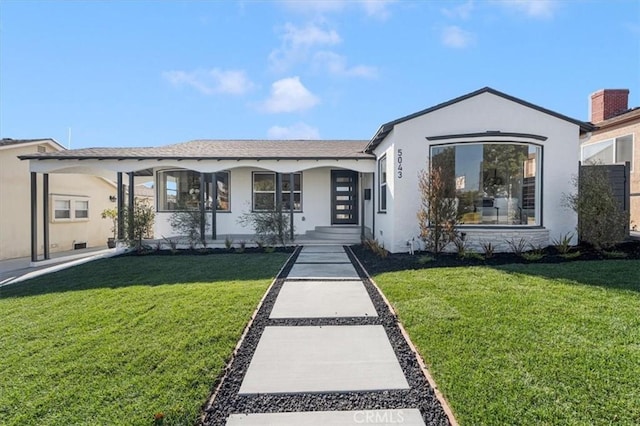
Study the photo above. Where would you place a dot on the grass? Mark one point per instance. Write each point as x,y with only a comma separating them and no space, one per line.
528,344
116,341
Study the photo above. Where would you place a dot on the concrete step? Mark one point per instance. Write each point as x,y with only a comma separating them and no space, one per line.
343,230
355,238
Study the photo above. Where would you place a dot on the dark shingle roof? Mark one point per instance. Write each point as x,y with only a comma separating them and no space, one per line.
386,128
224,149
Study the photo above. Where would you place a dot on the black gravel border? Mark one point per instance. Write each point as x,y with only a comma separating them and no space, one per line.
420,395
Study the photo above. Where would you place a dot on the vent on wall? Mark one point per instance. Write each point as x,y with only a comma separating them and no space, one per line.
42,148
78,246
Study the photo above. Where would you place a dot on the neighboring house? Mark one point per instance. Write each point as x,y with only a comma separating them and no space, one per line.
509,161
616,139
75,203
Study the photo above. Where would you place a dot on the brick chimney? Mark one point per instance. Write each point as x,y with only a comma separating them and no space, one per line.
608,103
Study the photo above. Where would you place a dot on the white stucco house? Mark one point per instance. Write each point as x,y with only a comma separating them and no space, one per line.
509,163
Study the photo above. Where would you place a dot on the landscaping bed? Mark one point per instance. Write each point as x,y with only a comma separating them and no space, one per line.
374,263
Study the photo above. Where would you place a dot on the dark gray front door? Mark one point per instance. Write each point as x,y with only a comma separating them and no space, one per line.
344,197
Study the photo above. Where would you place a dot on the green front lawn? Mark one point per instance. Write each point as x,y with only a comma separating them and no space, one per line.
528,344
118,340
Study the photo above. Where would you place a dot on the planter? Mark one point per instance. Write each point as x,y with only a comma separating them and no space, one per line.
111,242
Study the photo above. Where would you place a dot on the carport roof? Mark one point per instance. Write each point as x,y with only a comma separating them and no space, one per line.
221,150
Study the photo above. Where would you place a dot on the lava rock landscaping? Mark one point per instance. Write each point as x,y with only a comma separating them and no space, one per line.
225,399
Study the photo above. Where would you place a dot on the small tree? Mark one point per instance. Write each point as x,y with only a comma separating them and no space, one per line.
437,216
111,214
601,221
188,222
139,224
271,227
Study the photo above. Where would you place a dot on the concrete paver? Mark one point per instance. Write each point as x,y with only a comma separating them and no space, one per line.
323,270
323,359
406,417
318,299
323,258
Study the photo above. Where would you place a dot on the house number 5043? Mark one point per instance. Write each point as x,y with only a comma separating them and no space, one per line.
399,169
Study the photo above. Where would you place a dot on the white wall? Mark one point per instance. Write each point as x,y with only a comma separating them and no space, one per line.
485,112
316,204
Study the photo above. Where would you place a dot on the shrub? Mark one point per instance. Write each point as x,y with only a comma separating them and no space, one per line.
488,249
188,222
517,246
461,246
139,221
424,259
613,254
601,221
437,216
571,255
270,227
228,242
375,247
173,245
563,243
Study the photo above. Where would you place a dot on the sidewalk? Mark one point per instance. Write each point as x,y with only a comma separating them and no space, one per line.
20,269
324,349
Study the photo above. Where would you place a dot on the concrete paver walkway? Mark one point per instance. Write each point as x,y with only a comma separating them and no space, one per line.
292,359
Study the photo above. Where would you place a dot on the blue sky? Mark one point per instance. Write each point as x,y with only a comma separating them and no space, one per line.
144,73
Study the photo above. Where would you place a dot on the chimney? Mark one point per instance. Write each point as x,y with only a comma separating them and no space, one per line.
608,103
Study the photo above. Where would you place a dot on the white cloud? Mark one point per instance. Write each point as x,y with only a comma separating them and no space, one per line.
457,38
298,41
461,11
337,65
289,95
213,81
373,8
531,8
377,8
296,131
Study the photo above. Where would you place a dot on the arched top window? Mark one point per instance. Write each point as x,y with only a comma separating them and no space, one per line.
494,183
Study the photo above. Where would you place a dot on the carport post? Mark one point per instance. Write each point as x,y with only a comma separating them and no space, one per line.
120,206
291,204
131,202
203,183
45,214
214,205
34,217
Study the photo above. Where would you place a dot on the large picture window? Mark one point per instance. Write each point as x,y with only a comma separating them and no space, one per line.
180,190
493,183
382,181
264,191
611,151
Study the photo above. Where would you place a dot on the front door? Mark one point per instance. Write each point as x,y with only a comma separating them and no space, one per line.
344,197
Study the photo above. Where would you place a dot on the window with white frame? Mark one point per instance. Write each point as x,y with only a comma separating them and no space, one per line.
180,190
69,208
611,151
62,209
382,181
81,209
264,191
